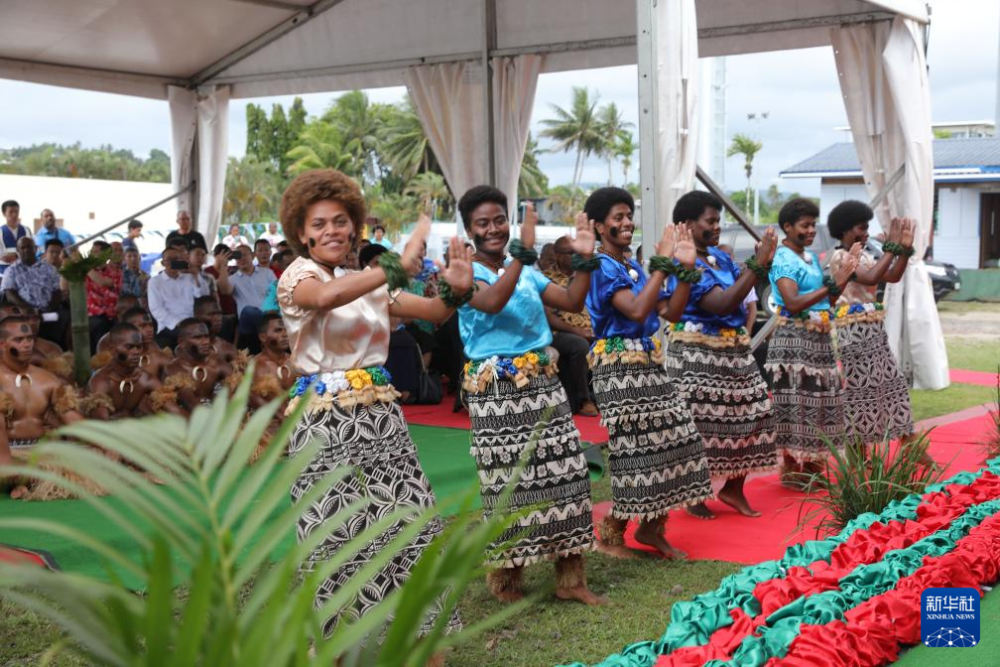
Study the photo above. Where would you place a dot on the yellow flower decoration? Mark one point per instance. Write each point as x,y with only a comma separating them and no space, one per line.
599,347
532,358
357,384
519,362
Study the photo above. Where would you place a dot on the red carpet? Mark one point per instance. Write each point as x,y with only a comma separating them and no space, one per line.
441,415
972,377
737,539
12,554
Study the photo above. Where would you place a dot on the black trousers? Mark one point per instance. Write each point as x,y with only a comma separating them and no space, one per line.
573,369
99,325
167,338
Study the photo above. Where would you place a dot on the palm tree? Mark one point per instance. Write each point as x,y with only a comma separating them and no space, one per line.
578,129
567,200
430,190
319,146
403,142
358,122
252,191
624,149
611,128
748,148
532,181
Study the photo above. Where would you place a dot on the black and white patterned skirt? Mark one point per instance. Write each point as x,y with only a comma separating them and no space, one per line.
656,455
807,392
506,421
374,441
877,397
729,403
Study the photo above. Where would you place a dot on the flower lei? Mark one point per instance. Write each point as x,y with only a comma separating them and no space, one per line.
358,386
812,320
845,310
481,373
616,349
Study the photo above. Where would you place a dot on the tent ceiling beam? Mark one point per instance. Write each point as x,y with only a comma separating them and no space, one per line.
261,41
274,4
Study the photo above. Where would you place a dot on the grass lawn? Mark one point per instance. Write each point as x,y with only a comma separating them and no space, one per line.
968,306
972,355
927,403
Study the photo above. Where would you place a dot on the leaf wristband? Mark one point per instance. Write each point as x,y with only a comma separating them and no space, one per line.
452,300
762,272
831,286
395,274
898,249
584,263
671,267
518,251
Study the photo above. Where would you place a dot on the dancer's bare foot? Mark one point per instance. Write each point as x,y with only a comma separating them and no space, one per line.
734,498
651,534
18,492
588,409
700,511
582,594
615,550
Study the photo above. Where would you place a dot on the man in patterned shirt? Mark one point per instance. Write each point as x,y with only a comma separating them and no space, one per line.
572,334
34,283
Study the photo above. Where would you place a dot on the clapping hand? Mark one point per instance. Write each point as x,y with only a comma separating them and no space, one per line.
528,225
908,232
766,248
412,258
458,272
668,241
585,239
685,251
848,266
895,231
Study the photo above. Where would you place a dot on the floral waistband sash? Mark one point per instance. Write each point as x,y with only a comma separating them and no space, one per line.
358,386
618,349
480,374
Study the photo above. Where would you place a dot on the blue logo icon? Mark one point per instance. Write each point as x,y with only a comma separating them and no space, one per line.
949,617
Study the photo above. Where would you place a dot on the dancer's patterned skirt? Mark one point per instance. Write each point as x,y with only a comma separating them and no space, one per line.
373,440
807,392
506,420
729,404
656,455
877,398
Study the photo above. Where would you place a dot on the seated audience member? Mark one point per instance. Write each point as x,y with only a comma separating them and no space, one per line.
28,394
126,302
50,231
196,373
185,232
280,261
202,279
273,236
171,296
47,354
29,282
221,256
379,237
135,281
134,233
152,359
104,284
234,238
248,285
403,362
121,388
572,335
262,253
207,310
547,258
11,232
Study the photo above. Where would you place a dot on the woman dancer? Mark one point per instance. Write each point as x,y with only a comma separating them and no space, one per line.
709,356
877,398
807,396
338,330
656,455
516,400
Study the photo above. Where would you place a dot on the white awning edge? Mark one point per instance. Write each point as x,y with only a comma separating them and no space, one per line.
101,81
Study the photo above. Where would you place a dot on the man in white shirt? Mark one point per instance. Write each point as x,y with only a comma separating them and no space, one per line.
234,239
171,296
249,285
272,235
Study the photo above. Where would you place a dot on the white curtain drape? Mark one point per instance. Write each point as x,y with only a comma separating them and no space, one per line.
199,124
514,83
448,99
676,93
883,78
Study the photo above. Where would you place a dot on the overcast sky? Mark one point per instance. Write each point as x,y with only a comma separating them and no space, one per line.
798,89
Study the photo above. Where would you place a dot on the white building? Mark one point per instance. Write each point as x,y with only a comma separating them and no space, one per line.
966,194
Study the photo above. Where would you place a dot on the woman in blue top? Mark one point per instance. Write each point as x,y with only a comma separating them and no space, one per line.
807,395
655,454
709,356
516,400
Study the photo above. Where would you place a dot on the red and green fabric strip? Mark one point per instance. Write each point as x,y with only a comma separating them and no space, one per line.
782,610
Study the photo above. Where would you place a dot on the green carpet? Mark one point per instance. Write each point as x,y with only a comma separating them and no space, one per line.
443,452
986,654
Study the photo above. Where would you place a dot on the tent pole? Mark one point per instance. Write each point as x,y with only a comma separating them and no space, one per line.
645,44
489,44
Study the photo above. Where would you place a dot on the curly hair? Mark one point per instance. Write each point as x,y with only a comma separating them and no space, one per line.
311,187
796,209
476,196
692,205
601,201
846,215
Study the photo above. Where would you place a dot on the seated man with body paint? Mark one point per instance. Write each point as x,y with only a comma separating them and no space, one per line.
196,372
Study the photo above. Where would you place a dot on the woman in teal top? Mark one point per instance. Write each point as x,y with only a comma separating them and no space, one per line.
807,394
516,401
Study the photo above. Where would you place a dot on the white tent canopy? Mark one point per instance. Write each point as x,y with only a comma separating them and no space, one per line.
201,54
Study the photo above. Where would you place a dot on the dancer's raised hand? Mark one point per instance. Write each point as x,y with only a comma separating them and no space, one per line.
668,241
908,233
685,251
458,272
766,248
412,258
895,231
528,225
585,239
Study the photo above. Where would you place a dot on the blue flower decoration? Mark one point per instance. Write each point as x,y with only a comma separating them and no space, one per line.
320,388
